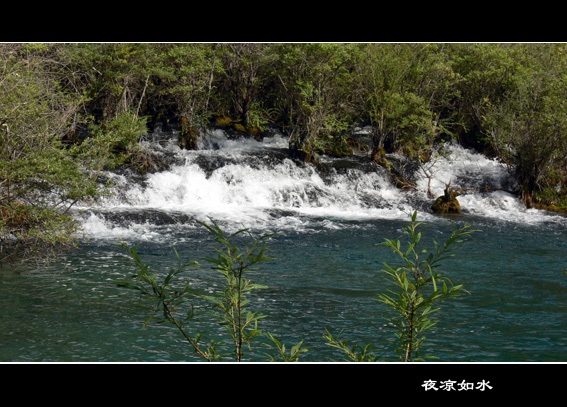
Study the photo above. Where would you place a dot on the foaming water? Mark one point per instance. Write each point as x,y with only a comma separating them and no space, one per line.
328,220
258,184
324,276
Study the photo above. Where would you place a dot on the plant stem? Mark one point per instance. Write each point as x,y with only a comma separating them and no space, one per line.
184,333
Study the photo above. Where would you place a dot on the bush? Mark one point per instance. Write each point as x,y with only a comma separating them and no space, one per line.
418,289
176,305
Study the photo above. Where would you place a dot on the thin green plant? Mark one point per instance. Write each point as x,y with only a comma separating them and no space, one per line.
420,286
234,264
354,353
294,352
169,303
175,305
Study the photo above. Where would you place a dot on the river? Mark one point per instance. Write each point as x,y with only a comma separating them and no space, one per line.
327,271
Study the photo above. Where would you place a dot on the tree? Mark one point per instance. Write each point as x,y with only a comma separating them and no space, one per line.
315,81
247,76
39,181
409,88
183,77
528,127
45,168
113,78
483,74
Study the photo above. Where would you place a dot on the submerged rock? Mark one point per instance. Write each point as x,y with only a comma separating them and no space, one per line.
447,204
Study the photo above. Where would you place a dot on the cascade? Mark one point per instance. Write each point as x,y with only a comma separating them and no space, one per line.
327,267
259,185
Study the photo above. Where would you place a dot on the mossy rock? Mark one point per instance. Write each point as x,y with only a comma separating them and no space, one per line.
237,127
338,150
188,141
379,157
254,131
550,207
447,204
302,155
223,121
188,137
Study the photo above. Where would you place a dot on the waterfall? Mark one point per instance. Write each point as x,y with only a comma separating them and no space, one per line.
259,185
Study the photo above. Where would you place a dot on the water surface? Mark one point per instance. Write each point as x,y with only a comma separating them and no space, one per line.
327,270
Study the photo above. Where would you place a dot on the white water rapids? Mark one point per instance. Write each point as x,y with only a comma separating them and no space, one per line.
257,185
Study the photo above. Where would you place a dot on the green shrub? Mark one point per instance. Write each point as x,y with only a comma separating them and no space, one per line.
418,289
175,305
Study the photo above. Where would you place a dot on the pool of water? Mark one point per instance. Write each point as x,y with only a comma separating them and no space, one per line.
71,309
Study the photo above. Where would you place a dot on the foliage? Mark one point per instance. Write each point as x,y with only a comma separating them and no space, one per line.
418,290
112,143
420,286
314,82
234,265
413,94
529,127
39,181
182,81
245,78
74,109
176,304
112,78
408,91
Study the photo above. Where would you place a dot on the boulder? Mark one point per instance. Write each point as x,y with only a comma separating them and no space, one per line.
447,204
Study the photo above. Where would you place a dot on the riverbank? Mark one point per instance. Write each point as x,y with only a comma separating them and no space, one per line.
505,100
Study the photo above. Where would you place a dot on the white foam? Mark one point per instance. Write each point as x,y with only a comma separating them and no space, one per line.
248,194
96,226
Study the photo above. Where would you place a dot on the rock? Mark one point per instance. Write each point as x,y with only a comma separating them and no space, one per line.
302,155
188,136
447,204
237,127
396,169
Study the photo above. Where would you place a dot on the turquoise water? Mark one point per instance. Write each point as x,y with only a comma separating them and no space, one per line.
327,273
71,310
